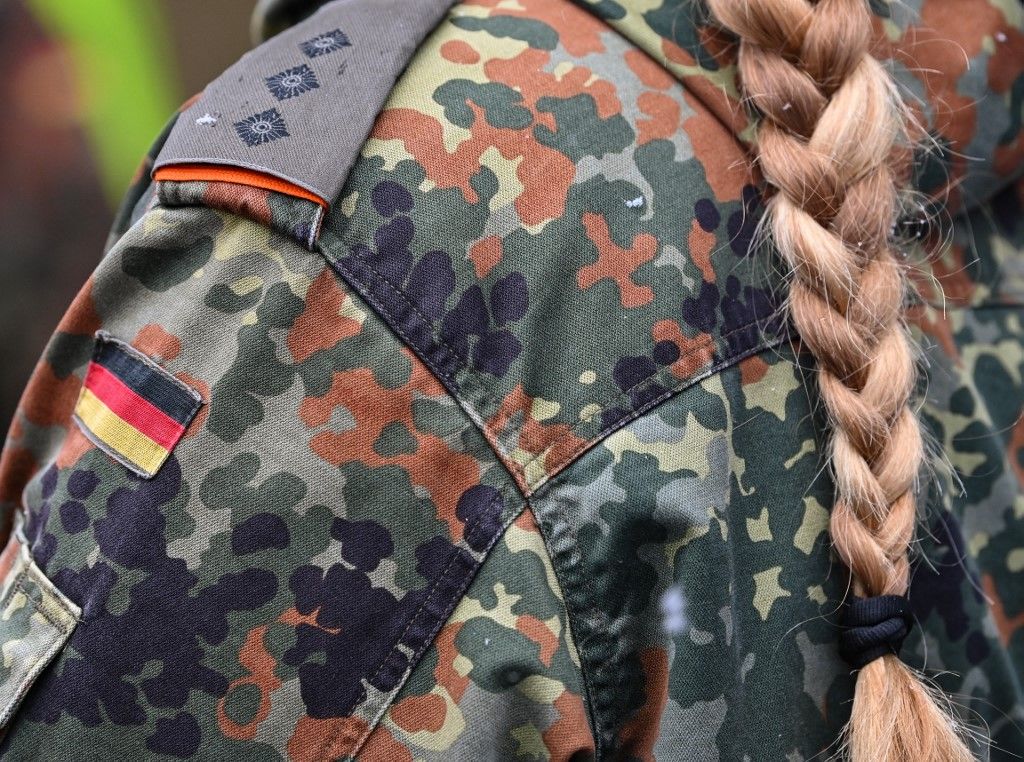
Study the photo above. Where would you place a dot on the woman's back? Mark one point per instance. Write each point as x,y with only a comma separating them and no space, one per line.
489,437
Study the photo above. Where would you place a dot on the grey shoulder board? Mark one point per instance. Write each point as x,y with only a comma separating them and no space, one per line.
299,107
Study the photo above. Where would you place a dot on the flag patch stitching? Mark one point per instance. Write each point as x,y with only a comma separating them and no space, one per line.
132,408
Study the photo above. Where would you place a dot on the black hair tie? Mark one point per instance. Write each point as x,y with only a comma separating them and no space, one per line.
874,627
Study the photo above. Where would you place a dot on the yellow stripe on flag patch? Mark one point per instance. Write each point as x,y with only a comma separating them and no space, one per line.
118,435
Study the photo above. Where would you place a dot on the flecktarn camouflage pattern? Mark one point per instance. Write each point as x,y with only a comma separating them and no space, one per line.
36,620
503,449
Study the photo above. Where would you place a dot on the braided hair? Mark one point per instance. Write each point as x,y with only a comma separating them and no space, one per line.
830,121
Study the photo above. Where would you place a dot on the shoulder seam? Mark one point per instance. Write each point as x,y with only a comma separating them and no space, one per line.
442,359
440,617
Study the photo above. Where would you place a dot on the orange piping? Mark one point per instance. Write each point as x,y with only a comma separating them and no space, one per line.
223,174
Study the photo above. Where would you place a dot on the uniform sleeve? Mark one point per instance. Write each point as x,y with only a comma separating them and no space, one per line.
502,680
261,503
255,505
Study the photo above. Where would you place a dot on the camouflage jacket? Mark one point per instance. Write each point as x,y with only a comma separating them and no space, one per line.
433,401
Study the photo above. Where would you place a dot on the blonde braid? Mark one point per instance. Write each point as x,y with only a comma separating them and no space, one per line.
830,121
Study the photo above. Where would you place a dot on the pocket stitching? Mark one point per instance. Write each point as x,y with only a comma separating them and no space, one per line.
36,664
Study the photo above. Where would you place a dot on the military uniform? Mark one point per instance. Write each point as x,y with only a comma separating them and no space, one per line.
434,401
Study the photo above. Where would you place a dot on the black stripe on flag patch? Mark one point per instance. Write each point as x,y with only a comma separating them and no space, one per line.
145,378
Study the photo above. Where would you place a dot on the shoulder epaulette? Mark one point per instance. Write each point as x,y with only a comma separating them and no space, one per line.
297,109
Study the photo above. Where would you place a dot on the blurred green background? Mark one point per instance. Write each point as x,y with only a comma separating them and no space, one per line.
87,85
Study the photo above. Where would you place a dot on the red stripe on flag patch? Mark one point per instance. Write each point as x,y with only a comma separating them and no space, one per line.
134,409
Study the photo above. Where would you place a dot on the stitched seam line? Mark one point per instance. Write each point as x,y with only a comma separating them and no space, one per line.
172,195
368,291
570,619
348,712
314,229
52,594
487,398
31,673
45,584
128,349
16,584
439,345
438,341
37,605
596,678
35,665
651,381
490,398
433,588
460,592
696,379
654,402
114,454
435,334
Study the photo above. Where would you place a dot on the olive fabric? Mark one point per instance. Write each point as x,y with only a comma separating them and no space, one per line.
505,448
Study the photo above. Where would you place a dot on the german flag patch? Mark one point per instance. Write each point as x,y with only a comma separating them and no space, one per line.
131,408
